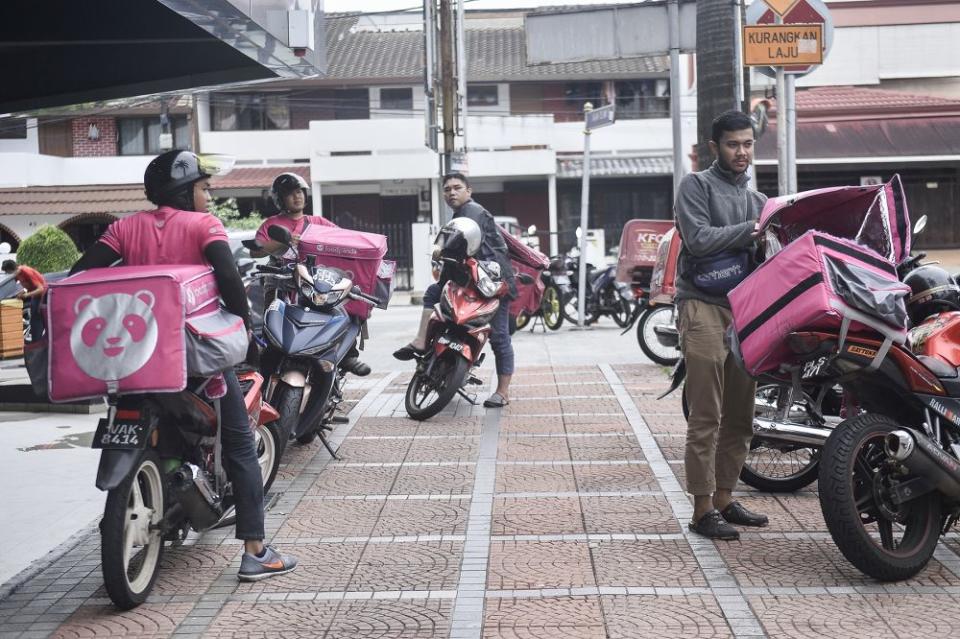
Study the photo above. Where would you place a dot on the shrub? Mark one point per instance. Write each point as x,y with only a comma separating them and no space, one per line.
48,250
226,209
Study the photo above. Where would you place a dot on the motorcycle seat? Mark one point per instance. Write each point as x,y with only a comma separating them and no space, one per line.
939,367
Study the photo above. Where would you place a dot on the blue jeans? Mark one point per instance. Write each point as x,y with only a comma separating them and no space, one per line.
240,460
500,341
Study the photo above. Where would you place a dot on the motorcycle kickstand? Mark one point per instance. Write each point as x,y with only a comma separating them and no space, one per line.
470,397
326,444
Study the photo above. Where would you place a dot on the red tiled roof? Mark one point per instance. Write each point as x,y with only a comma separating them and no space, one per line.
260,177
74,200
862,101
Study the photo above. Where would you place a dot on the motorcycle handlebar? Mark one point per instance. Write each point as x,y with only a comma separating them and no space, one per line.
357,294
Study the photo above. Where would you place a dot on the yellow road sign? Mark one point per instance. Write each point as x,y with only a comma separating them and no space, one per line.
782,45
781,7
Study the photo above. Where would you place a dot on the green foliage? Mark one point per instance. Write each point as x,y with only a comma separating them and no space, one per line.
226,209
48,250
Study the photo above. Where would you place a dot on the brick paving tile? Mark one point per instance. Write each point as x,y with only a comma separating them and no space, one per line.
526,565
423,517
579,376
535,390
366,427
805,508
464,426
427,480
419,619
190,570
619,478
820,616
521,379
322,567
533,449
919,615
600,427
464,450
666,424
646,563
149,621
553,618
409,566
617,448
664,617
628,515
537,516
509,425
808,563
292,620
535,478
590,406
669,405
533,407
619,418
374,450
313,518
340,480
681,474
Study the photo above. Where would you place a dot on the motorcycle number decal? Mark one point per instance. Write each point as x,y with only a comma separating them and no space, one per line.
864,352
454,346
813,368
121,432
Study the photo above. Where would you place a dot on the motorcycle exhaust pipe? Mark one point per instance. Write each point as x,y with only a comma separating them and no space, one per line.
922,457
790,432
194,494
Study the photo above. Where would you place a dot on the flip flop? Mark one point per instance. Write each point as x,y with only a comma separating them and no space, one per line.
496,401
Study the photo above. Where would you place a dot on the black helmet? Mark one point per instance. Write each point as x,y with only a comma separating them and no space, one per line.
169,177
932,290
284,184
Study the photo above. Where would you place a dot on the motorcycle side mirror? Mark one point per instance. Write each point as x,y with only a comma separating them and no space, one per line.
280,234
920,225
532,229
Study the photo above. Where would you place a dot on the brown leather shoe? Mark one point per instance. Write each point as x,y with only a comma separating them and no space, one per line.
712,525
737,513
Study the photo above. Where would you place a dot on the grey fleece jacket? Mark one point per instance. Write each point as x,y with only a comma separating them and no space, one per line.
715,211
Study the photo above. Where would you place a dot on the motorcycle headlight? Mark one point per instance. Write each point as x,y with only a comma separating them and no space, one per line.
326,299
307,291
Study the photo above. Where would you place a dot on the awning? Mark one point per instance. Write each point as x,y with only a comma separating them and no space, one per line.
60,52
260,177
616,166
870,141
74,200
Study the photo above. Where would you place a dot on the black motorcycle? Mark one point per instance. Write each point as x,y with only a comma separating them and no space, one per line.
605,295
307,326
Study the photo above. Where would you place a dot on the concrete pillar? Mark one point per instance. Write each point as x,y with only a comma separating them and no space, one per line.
552,208
317,197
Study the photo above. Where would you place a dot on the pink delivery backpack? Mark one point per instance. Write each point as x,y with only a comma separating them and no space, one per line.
818,281
358,254
137,329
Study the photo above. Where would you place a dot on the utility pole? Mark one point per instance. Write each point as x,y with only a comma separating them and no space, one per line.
448,85
716,78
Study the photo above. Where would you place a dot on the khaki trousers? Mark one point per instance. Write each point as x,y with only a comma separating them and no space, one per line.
720,396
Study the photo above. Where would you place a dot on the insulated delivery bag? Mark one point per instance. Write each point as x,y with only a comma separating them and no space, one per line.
138,329
818,281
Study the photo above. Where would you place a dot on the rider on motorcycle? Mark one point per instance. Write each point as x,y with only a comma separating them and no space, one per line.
180,231
290,194
492,247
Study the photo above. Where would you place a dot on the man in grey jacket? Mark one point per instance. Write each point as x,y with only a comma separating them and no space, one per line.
716,212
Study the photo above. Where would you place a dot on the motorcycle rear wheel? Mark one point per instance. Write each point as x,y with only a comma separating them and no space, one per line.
448,376
552,308
884,540
571,311
131,540
267,440
652,317
623,311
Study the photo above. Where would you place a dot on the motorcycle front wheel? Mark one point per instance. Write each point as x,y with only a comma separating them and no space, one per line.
522,320
551,308
427,395
131,539
572,312
651,318
884,538
286,399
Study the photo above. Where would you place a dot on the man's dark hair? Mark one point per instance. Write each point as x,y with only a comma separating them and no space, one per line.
730,121
9,266
456,176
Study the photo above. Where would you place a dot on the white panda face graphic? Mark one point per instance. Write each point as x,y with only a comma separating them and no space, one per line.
113,335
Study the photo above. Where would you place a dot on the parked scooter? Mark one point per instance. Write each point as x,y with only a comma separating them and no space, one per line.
163,482
605,295
312,332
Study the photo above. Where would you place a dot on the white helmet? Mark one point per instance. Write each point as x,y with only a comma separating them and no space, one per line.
459,238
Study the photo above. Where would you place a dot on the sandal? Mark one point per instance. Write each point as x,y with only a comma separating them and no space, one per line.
496,401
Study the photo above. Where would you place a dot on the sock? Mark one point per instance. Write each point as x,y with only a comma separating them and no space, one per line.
263,553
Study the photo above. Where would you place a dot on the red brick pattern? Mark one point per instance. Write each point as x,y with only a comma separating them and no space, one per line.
105,145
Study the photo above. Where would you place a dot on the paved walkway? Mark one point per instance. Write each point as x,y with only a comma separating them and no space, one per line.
561,516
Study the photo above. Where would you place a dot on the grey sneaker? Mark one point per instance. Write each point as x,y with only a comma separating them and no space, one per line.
273,563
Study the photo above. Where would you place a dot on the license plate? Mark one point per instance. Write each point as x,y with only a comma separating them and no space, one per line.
122,430
561,280
454,346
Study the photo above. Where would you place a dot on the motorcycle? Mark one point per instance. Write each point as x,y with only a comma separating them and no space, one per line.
456,335
605,295
535,299
655,315
162,482
308,327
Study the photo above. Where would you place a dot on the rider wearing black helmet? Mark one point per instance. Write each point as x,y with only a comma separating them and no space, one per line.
932,290
290,194
180,231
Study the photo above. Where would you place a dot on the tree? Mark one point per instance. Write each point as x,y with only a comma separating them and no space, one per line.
226,209
716,56
48,250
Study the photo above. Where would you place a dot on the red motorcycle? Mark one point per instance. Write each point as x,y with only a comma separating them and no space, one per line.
457,333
